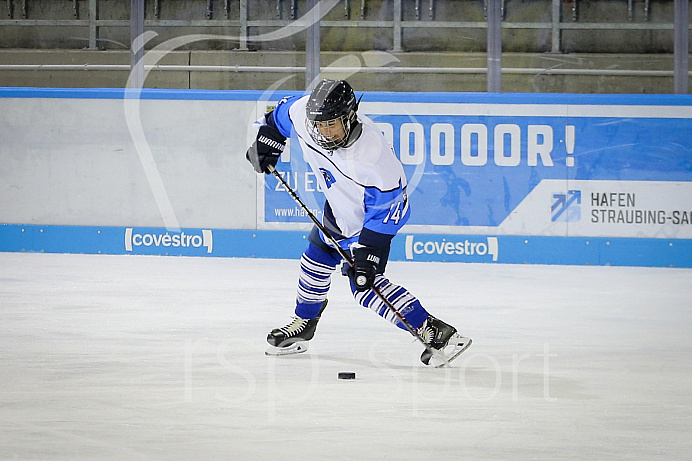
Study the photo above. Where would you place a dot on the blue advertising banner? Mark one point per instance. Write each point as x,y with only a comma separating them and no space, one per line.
152,241
505,249
621,169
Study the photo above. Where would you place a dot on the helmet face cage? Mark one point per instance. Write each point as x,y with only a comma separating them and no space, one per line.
332,103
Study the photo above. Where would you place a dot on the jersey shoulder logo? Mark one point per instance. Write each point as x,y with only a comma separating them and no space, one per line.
328,177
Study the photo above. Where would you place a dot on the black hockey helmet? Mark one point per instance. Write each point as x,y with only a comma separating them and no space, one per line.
331,100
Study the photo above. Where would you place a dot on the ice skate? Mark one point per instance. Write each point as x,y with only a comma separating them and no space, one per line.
293,338
444,338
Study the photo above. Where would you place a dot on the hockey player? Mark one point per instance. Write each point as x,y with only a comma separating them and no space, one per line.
365,188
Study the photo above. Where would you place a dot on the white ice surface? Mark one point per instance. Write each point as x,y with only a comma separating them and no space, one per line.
130,357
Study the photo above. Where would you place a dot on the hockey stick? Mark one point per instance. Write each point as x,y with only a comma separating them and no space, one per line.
347,257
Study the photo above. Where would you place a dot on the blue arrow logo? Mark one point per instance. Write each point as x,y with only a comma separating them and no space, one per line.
566,207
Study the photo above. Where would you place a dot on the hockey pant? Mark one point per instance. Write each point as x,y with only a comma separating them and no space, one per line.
316,268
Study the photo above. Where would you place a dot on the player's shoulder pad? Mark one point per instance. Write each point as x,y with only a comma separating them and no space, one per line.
377,157
281,114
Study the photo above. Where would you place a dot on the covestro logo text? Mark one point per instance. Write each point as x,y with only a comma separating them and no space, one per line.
152,240
452,248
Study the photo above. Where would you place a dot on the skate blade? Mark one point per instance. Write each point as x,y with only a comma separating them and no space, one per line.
296,348
458,344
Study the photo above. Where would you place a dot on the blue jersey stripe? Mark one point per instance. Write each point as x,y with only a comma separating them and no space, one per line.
282,117
386,212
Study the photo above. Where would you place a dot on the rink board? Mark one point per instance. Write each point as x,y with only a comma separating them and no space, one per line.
496,178
405,247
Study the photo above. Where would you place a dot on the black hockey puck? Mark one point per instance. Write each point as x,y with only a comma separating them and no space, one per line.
347,375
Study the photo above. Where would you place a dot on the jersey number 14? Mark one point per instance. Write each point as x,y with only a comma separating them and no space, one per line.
397,211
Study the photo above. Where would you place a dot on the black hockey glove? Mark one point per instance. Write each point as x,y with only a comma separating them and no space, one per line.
266,149
367,261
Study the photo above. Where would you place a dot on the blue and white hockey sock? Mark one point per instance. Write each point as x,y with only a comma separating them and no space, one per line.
404,302
316,269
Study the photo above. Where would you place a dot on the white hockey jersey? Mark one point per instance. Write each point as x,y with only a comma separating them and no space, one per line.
364,183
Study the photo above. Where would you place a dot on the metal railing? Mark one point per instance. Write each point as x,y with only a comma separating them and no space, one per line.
559,10
344,70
